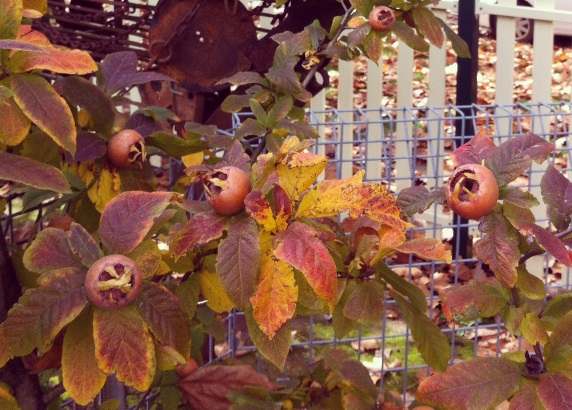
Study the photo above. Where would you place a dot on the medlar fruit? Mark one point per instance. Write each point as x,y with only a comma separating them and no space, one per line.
126,148
113,282
382,18
226,189
472,191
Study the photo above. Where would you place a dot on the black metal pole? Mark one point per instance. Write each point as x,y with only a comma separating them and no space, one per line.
467,69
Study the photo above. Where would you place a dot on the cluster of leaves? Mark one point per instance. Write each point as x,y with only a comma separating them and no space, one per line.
510,236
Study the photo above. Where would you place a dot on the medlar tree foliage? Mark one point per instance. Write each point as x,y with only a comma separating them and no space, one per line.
131,286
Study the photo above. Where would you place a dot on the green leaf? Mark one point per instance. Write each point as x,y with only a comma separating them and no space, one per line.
429,339
416,200
258,111
405,288
51,250
188,293
124,346
498,247
476,384
147,256
280,109
282,74
173,145
275,350
532,330
408,36
459,45
83,245
235,103
138,178
556,308
82,379
364,6
343,325
428,25
37,175
561,336
250,127
531,286
365,303
475,300
518,197
42,312
90,98
243,78
299,128
42,104
238,261
555,391
128,217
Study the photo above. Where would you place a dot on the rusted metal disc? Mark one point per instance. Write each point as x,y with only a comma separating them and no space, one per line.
211,45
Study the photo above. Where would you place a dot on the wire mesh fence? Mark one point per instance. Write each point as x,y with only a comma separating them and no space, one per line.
399,148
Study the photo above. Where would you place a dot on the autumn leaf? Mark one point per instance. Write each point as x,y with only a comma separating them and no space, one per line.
208,386
299,246
51,250
42,104
555,391
238,261
212,289
532,330
7,400
298,171
124,346
275,300
498,248
54,59
417,199
478,149
526,398
474,300
274,350
83,246
475,384
376,202
106,187
164,316
330,197
82,378
38,174
15,124
556,192
200,230
42,312
428,25
365,304
127,219
259,209
427,248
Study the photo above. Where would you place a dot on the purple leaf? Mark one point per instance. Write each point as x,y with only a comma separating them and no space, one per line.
19,45
128,217
556,192
479,148
89,147
83,245
37,175
50,251
201,229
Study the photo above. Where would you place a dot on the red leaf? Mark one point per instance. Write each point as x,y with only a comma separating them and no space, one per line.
201,229
207,387
552,245
498,248
162,312
43,311
479,148
475,384
526,398
557,194
83,245
238,261
128,217
299,246
50,251
37,175
555,391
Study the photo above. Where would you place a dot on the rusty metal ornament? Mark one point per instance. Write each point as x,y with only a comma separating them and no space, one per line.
197,42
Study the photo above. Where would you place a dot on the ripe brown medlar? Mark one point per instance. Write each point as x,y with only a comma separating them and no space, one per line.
382,18
126,148
226,189
472,191
113,282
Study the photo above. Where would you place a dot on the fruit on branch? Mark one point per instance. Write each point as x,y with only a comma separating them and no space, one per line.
184,370
382,18
226,189
125,148
472,191
113,282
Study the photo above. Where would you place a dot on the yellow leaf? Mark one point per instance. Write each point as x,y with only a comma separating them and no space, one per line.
212,289
298,171
275,300
193,159
39,5
167,357
82,378
15,124
330,197
377,203
7,401
104,189
293,143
